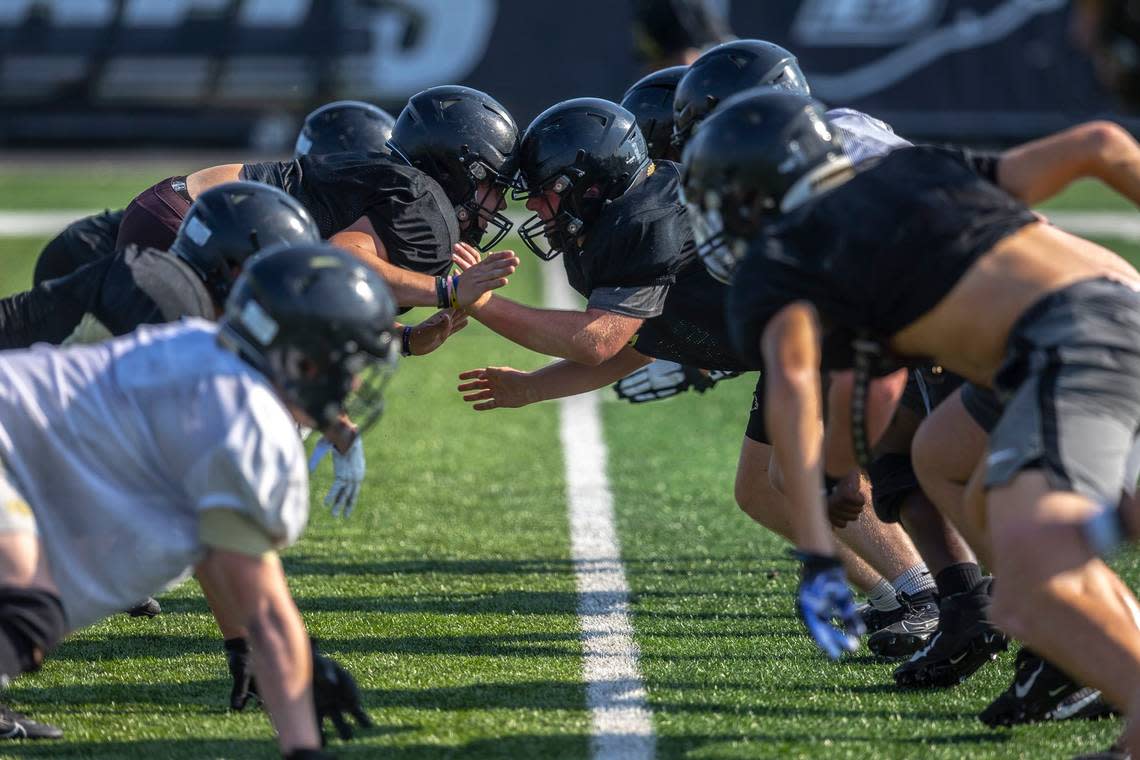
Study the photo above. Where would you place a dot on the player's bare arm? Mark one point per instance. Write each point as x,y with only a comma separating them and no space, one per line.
790,345
587,337
1038,170
507,388
253,590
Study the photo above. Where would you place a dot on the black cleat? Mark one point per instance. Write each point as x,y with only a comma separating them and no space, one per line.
15,725
914,627
147,608
876,619
1084,704
1038,689
964,641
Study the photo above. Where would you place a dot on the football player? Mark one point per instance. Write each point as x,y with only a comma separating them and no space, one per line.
627,245
1050,322
670,32
344,126
396,217
901,616
111,492
650,100
1032,172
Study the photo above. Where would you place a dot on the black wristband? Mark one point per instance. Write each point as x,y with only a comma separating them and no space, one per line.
236,645
829,483
406,341
441,298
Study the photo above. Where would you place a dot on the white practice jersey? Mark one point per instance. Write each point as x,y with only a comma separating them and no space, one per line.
864,137
119,448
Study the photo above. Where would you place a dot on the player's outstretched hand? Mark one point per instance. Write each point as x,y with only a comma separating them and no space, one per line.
336,696
244,689
430,334
480,277
348,475
823,596
496,388
847,500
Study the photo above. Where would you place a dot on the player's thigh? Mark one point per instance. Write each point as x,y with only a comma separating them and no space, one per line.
23,562
948,444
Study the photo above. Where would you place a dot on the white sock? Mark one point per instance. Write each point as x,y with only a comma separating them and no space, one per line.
883,597
915,580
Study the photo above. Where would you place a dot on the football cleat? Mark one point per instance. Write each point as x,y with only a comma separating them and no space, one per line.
147,608
15,725
964,641
1084,704
876,619
1037,690
905,636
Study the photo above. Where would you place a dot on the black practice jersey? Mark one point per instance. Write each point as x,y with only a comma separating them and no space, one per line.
108,297
639,260
408,209
876,253
640,240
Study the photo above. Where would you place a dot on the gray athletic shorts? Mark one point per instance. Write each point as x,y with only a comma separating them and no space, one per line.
1070,387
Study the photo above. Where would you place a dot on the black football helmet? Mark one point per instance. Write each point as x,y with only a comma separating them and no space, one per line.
726,70
762,152
318,324
666,28
461,138
345,126
650,100
588,151
229,223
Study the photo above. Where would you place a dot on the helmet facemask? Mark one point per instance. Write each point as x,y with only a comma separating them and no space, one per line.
473,212
720,246
547,238
345,380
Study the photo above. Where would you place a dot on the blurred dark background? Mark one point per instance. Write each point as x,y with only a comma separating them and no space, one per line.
152,73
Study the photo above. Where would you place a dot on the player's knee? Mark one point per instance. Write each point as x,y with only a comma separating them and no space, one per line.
1107,142
32,623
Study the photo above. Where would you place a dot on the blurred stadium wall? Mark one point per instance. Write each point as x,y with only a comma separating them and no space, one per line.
227,72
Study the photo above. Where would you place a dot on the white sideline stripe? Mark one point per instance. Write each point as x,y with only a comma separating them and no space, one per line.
17,223
621,723
1121,225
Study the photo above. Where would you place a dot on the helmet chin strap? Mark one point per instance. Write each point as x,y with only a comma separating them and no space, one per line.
830,175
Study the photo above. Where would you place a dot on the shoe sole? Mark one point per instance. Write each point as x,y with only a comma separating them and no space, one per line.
950,672
897,645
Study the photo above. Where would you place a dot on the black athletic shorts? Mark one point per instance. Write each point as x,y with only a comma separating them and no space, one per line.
1070,387
757,429
892,473
982,405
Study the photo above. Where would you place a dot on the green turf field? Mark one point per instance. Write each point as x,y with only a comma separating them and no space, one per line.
451,596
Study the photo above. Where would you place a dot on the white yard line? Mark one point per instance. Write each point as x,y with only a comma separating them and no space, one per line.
621,722
17,223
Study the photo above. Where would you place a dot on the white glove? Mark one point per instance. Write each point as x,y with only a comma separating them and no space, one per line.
348,475
656,380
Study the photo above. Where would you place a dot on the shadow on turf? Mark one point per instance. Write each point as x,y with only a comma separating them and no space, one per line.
301,564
